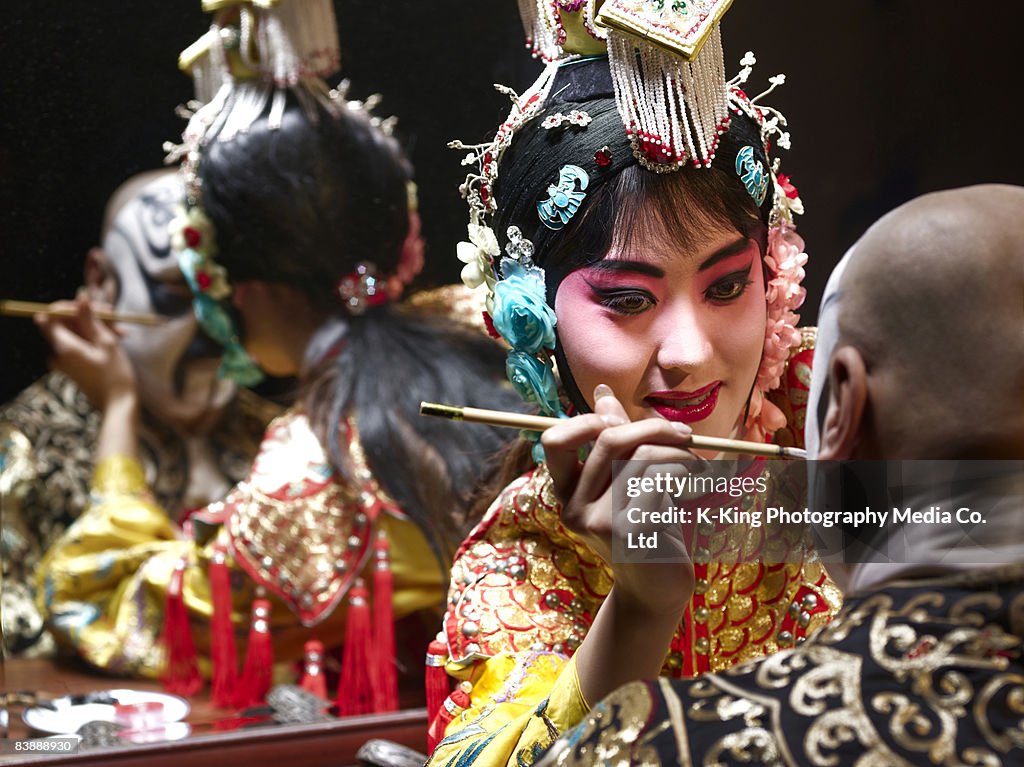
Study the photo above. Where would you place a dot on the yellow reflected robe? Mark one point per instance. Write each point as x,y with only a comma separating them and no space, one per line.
524,591
293,527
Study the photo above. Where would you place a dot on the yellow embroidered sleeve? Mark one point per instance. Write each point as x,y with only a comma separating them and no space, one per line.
100,587
521,702
103,586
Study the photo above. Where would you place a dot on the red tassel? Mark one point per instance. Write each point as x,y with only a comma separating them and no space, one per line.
355,687
436,677
222,633
454,705
181,674
254,684
382,651
313,678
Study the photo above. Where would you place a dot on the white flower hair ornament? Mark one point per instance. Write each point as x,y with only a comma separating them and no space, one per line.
480,252
517,308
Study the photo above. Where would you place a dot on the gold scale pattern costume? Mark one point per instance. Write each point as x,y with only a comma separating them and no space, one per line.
524,591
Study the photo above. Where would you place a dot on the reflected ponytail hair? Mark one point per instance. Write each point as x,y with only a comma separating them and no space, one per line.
302,205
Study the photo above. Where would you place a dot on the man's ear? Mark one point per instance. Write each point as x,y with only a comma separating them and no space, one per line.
848,395
100,278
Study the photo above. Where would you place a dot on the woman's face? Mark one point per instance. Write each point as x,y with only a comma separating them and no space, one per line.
676,335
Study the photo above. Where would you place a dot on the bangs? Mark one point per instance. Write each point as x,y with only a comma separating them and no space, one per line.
681,209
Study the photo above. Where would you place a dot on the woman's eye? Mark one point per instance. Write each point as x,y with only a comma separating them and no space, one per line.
628,302
729,288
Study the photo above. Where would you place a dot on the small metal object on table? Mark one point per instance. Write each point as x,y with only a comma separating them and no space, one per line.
332,743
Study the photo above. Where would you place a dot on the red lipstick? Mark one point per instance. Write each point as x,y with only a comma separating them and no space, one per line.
684,406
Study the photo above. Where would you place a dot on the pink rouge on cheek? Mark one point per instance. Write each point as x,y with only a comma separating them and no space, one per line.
576,308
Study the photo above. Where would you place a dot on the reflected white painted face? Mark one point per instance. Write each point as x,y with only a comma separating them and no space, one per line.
175,363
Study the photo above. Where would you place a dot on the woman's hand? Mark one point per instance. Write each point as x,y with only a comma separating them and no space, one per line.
89,353
633,628
585,491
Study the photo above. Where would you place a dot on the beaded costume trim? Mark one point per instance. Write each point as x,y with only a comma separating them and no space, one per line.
310,562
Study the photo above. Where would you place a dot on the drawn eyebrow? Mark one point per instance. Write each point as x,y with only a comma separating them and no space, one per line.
723,253
649,269
637,267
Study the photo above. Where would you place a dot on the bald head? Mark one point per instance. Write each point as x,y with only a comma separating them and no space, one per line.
932,299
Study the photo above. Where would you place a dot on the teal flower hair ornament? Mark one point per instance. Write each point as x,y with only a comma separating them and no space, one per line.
521,316
520,311
193,241
516,302
533,380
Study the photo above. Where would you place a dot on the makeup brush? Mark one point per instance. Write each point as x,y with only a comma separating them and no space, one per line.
540,423
12,308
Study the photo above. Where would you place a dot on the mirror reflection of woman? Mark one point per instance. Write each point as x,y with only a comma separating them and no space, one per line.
665,294
300,235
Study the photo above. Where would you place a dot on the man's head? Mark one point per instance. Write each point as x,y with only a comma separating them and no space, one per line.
136,272
928,322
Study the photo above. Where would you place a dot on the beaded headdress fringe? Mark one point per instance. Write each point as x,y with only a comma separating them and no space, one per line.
207,64
673,110
297,43
537,31
667,66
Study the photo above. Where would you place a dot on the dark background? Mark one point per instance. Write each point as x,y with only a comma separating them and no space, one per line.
886,99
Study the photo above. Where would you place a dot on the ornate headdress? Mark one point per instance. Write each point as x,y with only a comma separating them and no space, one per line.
275,48
665,74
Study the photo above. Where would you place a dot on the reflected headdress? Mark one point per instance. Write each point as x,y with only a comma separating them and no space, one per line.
255,59
626,82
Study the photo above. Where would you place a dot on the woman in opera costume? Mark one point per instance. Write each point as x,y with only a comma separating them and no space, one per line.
629,227
301,223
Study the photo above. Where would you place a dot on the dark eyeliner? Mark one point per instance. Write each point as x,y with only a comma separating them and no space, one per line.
740,276
613,298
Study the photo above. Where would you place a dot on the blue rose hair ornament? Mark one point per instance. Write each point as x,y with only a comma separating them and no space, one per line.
521,316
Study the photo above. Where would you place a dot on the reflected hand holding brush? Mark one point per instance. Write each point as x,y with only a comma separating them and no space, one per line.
15,308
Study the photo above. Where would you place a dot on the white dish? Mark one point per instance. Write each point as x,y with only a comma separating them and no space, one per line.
67,717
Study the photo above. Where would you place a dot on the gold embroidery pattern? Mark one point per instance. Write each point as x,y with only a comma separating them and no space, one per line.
522,582
308,559
616,731
50,488
927,673
452,302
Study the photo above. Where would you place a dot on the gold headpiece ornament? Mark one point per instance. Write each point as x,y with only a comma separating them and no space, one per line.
666,62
